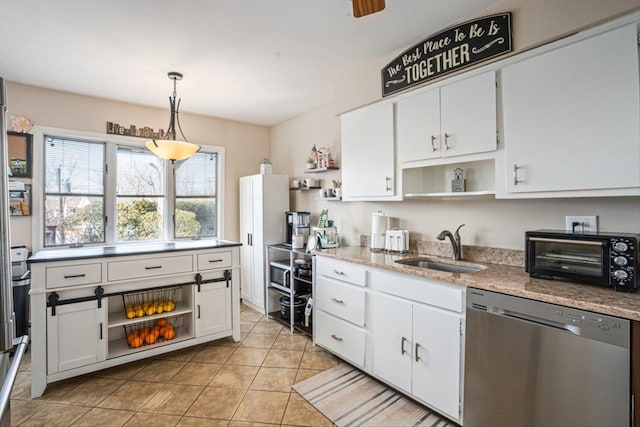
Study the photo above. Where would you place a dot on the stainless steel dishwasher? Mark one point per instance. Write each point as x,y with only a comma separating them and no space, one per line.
529,363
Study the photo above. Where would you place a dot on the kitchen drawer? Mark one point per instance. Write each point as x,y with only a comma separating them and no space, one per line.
438,294
341,270
213,260
73,275
159,266
340,337
340,299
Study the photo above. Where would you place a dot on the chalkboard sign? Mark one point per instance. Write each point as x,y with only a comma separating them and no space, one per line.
448,51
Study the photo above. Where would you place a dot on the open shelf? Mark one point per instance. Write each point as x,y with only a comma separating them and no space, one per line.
318,170
120,347
299,326
435,181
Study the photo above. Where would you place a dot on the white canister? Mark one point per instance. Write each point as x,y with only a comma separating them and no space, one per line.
379,226
297,241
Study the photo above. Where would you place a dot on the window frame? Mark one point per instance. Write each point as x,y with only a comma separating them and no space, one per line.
111,146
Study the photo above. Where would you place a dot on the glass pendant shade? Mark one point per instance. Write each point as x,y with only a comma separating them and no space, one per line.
171,148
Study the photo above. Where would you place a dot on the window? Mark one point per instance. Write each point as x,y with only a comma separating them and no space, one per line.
195,209
115,191
74,192
140,195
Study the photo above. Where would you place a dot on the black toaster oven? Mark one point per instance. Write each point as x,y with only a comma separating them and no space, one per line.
607,259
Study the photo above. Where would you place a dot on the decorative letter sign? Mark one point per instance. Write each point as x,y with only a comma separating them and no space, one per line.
448,51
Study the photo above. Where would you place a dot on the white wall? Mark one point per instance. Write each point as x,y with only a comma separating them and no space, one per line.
245,144
495,223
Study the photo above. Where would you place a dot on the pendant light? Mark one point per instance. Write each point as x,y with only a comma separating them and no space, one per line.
171,148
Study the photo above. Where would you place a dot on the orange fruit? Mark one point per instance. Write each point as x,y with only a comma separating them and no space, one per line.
136,342
169,334
162,322
150,339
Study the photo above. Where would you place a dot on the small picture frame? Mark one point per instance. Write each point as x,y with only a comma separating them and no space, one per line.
19,150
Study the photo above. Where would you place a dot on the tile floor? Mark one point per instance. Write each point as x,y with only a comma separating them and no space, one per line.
222,383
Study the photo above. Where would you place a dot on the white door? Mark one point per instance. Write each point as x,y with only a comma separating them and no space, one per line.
571,116
418,126
368,154
437,358
76,336
213,308
392,343
246,235
468,115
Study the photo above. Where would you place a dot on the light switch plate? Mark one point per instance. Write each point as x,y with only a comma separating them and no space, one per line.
581,223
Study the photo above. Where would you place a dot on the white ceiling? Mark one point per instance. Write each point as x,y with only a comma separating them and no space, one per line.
257,61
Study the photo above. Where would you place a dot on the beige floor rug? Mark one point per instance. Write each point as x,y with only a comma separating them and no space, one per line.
350,398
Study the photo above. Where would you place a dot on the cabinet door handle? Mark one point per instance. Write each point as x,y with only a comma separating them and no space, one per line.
73,276
249,239
215,260
387,180
337,301
515,174
433,143
100,330
402,350
417,356
155,267
446,141
198,311
339,273
335,337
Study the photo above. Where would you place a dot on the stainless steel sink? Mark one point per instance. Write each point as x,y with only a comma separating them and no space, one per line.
440,266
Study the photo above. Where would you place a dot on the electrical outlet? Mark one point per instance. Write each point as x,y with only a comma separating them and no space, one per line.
581,224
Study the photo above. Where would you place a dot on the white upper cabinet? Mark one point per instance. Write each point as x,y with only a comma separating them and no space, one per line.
368,153
571,119
452,120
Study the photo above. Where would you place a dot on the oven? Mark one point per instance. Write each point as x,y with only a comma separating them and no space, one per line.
607,259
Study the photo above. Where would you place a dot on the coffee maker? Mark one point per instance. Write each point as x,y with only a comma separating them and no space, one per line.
297,223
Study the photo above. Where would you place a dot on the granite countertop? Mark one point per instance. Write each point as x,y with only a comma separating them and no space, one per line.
504,279
128,249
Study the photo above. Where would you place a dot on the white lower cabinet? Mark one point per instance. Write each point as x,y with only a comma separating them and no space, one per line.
418,349
76,336
404,330
213,308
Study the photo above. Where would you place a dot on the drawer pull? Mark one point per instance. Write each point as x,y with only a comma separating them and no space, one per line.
337,301
335,337
74,276
402,350
339,273
216,260
155,267
417,356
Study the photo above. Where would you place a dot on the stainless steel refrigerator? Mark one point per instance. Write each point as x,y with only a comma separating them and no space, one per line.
11,348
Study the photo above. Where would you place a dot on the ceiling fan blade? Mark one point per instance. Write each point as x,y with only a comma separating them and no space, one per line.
366,7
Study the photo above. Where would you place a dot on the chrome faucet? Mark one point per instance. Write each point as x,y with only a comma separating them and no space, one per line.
456,246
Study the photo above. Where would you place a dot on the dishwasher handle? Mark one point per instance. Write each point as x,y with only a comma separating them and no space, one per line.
537,320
